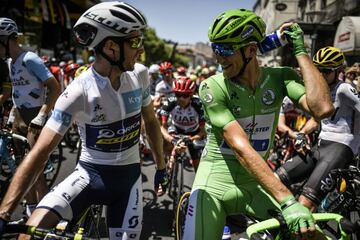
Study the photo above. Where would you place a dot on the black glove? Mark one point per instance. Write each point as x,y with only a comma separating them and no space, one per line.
300,141
161,178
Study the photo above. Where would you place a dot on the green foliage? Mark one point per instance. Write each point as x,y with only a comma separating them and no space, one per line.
156,50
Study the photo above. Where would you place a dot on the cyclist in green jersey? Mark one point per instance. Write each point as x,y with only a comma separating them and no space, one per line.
241,109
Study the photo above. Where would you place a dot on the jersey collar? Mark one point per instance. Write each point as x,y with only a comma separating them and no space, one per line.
100,80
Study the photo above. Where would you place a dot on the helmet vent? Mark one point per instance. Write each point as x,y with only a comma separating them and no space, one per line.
136,14
215,24
256,27
237,32
122,16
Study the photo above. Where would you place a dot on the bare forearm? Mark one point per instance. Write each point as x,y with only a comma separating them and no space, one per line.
25,176
317,91
310,126
152,129
257,167
165,134
200,135
283,128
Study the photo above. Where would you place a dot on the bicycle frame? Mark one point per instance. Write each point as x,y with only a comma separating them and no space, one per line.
319,217
41,233
6,149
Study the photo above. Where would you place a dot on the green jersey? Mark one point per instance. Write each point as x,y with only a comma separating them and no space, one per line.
222,187
256,110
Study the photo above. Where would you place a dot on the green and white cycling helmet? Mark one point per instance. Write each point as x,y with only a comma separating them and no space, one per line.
238,27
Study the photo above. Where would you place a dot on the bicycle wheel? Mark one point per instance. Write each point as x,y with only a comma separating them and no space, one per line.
92,222
149,198
53,165
181,215
173,184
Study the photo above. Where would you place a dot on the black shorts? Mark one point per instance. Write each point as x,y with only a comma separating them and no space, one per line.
315,167
117,187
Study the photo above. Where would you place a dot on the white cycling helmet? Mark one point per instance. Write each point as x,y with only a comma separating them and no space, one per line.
107,19
8,27
154,68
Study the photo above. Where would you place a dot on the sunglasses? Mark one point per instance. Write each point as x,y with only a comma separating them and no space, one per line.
326,71
224,50
167,73
135,42
183,95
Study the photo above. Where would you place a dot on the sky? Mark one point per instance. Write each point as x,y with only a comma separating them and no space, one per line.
185,21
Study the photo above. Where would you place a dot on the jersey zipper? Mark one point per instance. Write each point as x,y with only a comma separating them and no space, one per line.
253,116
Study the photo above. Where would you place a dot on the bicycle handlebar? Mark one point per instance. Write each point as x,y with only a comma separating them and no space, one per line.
13,135
198,144
346,227
43,233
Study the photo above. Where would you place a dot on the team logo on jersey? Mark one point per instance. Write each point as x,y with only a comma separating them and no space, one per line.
247,32
133,221
146,92
132,100
208,97
61,117
114,137
268,97
237,110
99,118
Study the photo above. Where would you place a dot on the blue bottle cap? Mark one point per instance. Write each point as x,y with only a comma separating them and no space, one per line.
226,230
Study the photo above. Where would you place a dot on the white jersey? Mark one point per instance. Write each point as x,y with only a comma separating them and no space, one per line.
108,120
344,125
163,88
28,73
288,107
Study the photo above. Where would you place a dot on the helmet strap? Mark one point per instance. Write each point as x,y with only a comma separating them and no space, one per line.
245,60
119,63
7,47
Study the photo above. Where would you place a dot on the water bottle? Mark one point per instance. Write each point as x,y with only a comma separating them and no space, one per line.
329,202
227,234
271,42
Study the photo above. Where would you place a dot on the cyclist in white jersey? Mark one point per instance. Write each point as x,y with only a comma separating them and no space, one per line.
339,138
30,80
163,88
107,102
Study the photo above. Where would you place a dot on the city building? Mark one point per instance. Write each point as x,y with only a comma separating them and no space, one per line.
45,25
325,22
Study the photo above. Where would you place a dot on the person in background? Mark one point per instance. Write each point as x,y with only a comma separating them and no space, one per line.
339,137
155,78
187,117
5,83
34,93
163,88
181,71
5,92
